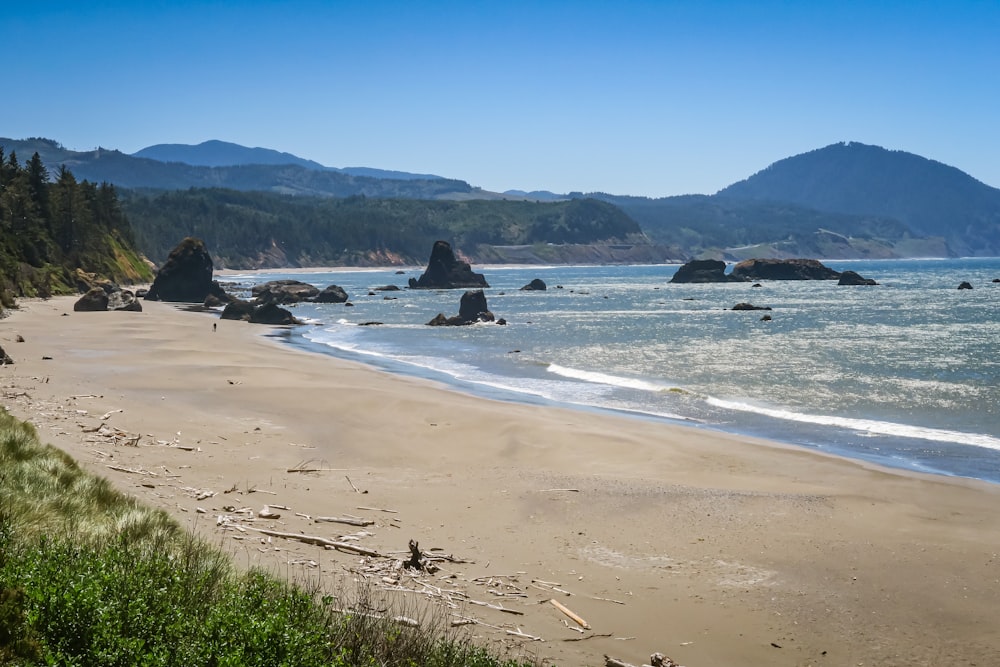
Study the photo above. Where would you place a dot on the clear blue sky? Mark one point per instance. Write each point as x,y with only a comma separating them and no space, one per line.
645,98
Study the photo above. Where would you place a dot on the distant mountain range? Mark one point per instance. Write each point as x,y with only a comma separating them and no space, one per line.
216,153
843,201
217,164
847,200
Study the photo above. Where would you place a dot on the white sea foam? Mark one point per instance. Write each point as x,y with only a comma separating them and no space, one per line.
612,380
866,426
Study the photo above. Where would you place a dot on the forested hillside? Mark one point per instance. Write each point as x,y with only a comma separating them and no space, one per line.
254,229
51,228
931,198
728,228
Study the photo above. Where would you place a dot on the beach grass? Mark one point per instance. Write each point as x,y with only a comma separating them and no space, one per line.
89,576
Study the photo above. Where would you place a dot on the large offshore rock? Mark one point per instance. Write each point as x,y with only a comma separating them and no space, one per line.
704,271
854,278
332,294
784,269
445,271
472,308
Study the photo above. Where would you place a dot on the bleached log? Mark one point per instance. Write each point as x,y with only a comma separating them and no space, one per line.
377,509
497,607
613,662
319,541
348,520
140,471
573,616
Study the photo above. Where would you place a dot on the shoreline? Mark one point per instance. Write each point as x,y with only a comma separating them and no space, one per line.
719,545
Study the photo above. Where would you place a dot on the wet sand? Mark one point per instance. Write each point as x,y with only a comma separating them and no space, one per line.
712,548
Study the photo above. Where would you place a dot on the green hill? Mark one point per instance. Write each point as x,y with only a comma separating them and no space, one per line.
931,198
52,228
256,229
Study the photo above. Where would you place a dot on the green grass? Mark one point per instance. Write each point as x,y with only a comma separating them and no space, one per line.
91,577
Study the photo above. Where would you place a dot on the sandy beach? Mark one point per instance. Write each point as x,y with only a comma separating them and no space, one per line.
711,548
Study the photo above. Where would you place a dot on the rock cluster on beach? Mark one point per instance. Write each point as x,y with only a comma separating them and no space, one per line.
107,297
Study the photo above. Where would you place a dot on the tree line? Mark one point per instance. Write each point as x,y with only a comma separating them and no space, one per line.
50,227
254,229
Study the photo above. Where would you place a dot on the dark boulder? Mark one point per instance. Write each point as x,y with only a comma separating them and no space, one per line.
853,278
472,308
284,292
445,271
996,280
271,313
331,294
537,285
704,271
217,296
750,306
5,358
237,309
123,299
783,269
186,276
965,285
387,288
94,300
765,318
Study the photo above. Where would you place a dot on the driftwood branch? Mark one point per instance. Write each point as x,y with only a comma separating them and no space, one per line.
320,541
614,662
356,489
573,616
378,509
348,520
497,607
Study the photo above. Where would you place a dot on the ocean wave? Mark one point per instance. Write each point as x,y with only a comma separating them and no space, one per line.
612,380
867,426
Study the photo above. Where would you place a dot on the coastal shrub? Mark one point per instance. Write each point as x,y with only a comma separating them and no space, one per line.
89,576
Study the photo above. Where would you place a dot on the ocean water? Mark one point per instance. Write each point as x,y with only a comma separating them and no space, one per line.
905,374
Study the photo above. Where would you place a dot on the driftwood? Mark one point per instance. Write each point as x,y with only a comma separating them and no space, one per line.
140,471
523,635
415,561
497,607
614,662
356,489
573,616
320,542
377,509
655,660
348,520
267,513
